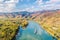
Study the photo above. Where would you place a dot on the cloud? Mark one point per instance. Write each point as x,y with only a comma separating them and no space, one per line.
8,6
54,1
12,1
30,9
49,5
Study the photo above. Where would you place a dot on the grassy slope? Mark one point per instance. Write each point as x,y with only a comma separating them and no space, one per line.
51,23
8,27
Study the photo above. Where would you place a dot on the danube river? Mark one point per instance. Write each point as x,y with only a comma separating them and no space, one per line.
33,32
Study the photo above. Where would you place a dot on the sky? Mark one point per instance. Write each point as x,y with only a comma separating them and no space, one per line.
28,5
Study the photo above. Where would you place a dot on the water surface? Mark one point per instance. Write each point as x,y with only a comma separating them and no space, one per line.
33,32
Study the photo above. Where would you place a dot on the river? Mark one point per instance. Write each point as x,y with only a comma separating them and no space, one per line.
33,32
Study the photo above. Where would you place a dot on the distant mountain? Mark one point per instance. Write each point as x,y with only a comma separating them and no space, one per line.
25,13
14,14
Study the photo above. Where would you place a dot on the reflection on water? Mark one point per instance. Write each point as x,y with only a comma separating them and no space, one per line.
33,32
